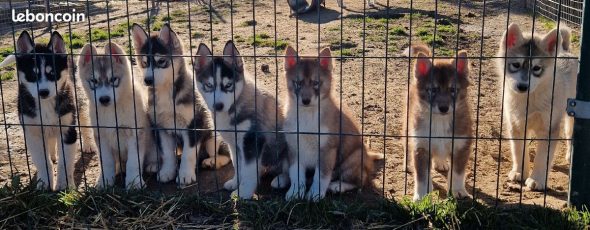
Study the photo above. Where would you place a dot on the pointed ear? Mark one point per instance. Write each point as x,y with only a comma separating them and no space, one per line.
203,58
326,59
88,51
24,44
290,58
232,57
422,67
551,41
169,37
116,51
462,63
56,43
512,37
139,36
566,34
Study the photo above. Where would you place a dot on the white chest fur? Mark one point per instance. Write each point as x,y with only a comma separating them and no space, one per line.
305,145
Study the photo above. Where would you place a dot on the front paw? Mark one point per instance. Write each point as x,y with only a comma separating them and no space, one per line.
535,185
241,195
515,176
280,181
186,177
294,193
107,182
441,166
89,147
151,167
135,183
166,174
215,162
314,195
42,185
460,193
63,184
231,184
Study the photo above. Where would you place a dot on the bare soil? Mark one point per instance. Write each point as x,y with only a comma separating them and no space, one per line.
371,79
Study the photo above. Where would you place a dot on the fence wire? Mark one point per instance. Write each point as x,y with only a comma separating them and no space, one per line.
373,93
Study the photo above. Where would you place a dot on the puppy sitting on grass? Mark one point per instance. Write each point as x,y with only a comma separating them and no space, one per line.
439,121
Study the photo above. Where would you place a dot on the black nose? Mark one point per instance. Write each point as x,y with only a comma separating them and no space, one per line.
306,101
148,81
104,100
522,87
443,109
43,93
218,106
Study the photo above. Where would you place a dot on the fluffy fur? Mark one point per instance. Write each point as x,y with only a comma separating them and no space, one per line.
248,118
529,77
438,112
340,162
120,103
175,108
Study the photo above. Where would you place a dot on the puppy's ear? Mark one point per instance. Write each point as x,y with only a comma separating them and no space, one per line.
86,55
462,63
169,37
139,37
551,42
512,37
566,34
116,52
290,58
422,67
56,43
203,58
24,44
326,59
231,56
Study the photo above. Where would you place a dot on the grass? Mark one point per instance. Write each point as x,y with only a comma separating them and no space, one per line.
264,40
98,35
398,31
77,40
24,207
547,23
198,35
6,75
5,51
427,37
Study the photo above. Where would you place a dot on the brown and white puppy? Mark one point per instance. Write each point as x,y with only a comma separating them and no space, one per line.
439,121
536,89
118,110
341,160
177,110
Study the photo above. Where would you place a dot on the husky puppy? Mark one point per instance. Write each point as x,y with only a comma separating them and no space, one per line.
176,109
47,109
339,164
302,7
532,73
248,117
116,100
438,109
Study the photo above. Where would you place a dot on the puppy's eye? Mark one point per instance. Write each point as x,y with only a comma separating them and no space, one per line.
316,83
143,63
208,85
537,70
162,62
229,85
92,83
297,84
515,66
433,89
114,81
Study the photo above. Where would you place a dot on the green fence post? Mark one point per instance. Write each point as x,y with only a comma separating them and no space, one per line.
579,194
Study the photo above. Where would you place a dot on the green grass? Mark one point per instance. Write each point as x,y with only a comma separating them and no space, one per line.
547,23
264,40
24,207
98,35
427,37
6,75
77,40
5,51
198,35
398,31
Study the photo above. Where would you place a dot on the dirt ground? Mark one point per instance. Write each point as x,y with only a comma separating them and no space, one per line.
373,86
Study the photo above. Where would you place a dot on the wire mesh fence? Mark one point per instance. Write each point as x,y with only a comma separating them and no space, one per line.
571,11
304,101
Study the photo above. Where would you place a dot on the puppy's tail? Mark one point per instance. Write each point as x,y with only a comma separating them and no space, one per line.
8,61
414,50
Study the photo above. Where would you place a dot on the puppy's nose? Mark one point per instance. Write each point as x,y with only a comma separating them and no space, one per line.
522,87
148,81
218,106
305,101
443,109
104,100
43,93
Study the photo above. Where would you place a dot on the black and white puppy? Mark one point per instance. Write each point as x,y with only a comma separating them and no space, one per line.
175,108
47,109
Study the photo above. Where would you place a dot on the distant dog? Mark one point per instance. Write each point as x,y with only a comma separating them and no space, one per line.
247,116
174,106
117,102
438,109
47,109
302,7
340,160
529,75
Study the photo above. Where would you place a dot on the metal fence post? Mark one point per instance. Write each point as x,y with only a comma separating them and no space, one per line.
579,194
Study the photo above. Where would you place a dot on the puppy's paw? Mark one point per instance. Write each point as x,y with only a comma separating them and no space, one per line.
293,193
441,165
215,162
166,175
460,193
134,183
231,184
241,195
42,185
101,184
63,184
515,176
314,195
151,167
186,177
89,147
280,181
535,185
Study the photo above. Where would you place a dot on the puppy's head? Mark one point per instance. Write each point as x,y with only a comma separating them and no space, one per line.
529,62
42,69
308,78
442,82
158,54
106,75
220,79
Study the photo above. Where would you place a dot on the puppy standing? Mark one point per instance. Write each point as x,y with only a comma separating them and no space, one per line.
252,114
311,108
116,101
529,73
175,108
438,109
47,109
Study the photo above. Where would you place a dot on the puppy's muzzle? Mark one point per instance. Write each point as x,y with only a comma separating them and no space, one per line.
43,93
148,81
104,100
218,106
522,87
